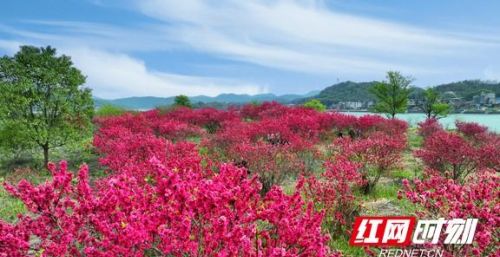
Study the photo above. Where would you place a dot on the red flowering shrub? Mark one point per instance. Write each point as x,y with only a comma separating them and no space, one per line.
455,157
179,212
273,163
332,193
477,198
376,154
429,127
367,124
267,147
489,152
448,152
449,191
264,110
334,124
177,130
162,198
471,129
212,119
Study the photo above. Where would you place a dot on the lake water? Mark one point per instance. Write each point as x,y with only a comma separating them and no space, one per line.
492,121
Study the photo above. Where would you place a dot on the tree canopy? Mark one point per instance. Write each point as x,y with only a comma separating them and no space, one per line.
392,94
182,100
432,105
315,104
44,98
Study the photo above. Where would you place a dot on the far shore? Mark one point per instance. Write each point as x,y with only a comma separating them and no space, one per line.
465,112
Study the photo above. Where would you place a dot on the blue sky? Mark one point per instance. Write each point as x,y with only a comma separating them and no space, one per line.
194,47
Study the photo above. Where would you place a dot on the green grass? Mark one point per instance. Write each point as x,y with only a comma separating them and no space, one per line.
389,192
407,207
381,191
194,139
414,140
10,206
288,186
342,245
402,174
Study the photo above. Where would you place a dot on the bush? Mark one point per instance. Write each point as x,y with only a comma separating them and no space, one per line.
176,212
315,104
428,127
108,110
332,193
162,198
455,157
478,198
376,155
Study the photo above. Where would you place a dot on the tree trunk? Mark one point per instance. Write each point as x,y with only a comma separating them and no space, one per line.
428,114
45,155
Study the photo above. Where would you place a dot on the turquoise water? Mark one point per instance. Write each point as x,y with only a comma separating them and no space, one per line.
492,121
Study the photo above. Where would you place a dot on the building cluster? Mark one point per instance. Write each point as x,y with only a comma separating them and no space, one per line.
483,102
484,99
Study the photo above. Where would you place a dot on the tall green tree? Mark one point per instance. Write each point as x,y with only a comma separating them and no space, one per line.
392,94
315,104
182,100
432,105
43,98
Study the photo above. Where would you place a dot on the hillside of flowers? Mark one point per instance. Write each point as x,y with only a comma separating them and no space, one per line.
258,180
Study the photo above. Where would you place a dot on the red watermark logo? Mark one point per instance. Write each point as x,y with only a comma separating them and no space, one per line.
404,231
382,231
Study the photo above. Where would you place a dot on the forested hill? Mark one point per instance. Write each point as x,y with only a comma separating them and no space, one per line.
346,91
469,88
358,91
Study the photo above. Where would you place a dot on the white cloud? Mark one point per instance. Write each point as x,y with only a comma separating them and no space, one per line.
308,37
113,75
300,36
95,35
9,46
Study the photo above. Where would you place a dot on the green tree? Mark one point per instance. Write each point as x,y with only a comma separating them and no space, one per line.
182,100
432,105
315,104
392,95
43,98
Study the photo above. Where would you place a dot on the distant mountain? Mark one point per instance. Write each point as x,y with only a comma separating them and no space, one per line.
150,102
349,91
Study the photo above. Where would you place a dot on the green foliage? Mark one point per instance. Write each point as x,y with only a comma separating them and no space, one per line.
469,88
440,110
13,141
316,105
46,101
432,105
109,110
182,100
392,95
